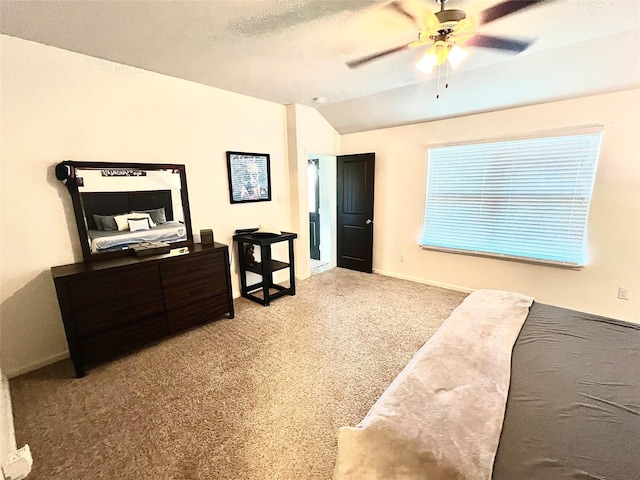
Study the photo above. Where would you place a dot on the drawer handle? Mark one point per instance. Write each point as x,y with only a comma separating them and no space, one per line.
199,290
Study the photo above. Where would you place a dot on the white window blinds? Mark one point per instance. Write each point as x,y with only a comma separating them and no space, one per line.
526,199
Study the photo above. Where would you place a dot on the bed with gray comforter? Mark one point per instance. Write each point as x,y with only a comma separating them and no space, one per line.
507,389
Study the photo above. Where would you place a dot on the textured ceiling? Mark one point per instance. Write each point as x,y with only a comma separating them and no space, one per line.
292,51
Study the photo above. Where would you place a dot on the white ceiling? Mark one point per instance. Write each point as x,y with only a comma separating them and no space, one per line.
291,51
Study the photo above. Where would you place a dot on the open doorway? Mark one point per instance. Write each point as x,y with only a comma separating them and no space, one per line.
321,178
314,208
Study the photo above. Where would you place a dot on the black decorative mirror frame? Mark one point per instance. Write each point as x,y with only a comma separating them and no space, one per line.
141,207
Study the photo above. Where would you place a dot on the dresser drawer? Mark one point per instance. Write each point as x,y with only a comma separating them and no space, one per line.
196,313
110,287
120,311
124,339
192,291
179,272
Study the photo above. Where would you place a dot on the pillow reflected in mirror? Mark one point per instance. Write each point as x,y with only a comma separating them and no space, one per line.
122,221
105,223
137,224
158,215
97,219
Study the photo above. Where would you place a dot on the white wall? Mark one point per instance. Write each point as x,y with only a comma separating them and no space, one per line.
614,220
58,105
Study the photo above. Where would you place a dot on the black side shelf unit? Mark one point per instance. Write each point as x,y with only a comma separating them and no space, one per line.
265,267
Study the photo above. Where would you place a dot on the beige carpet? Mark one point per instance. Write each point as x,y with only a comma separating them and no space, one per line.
257,397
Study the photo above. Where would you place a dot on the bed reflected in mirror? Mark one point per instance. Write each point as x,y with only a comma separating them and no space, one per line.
119,206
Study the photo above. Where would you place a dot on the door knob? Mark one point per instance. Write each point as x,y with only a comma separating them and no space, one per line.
368,221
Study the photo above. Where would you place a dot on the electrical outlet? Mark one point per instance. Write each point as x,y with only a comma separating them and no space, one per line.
402,257
623,293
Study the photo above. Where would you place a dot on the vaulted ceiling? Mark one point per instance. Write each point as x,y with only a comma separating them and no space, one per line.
295,51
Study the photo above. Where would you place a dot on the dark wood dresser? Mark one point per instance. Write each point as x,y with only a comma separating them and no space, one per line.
115,306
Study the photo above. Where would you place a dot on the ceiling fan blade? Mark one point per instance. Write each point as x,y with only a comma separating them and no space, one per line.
375,56
464,30
500,43
506,8
419,43
398,8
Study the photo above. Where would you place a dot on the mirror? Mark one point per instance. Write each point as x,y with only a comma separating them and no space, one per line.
119,206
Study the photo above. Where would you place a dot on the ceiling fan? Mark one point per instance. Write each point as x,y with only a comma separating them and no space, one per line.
449,29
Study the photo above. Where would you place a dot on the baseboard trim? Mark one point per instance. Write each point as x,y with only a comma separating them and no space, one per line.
448,286
8,433
36,365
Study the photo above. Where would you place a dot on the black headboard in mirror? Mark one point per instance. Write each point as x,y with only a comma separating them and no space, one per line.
120,205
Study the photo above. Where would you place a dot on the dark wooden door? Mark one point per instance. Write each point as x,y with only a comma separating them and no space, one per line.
355,211
314,208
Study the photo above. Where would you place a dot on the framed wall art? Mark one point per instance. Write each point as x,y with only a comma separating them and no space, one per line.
249,177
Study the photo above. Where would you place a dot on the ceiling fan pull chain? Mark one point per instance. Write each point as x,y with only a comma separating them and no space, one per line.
446,85
438,89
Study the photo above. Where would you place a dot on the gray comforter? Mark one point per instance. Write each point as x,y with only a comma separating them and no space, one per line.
573,409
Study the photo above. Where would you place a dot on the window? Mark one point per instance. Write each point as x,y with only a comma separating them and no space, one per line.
522,199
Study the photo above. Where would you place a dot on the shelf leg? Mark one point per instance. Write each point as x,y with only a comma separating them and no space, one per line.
267,275
243,269
292,273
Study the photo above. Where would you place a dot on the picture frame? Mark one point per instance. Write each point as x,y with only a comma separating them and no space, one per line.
249,177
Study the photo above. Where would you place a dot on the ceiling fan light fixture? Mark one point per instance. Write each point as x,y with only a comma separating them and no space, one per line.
436,55
426,64
439,53
457,55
